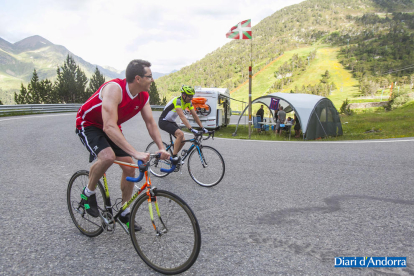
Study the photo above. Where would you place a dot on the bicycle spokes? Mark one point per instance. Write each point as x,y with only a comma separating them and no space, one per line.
78,208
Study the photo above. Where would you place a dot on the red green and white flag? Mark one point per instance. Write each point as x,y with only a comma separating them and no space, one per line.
243,30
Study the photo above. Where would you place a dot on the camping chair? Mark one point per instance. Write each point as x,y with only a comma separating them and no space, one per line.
256,125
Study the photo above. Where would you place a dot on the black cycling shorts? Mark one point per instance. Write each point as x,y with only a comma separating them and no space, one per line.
95,140
168,126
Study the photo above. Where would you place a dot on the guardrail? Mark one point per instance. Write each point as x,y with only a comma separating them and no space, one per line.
23,109
37,108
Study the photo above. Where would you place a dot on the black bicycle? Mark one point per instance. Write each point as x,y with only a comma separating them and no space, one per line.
170,239
205,164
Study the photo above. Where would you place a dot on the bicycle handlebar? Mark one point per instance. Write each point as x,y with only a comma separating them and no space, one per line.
210,134
144,167
174,165
200,134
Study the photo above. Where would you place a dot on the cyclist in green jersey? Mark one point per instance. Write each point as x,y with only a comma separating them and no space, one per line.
175,108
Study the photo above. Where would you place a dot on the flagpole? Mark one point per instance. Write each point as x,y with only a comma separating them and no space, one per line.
250,87
243,30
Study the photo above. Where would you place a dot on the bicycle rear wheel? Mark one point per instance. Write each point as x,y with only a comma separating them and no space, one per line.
206,167
155,163
87,224
174,247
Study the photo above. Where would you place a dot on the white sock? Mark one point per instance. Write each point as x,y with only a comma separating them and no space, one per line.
125,212
88,192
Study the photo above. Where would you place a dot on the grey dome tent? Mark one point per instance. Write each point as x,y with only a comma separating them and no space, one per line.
317,115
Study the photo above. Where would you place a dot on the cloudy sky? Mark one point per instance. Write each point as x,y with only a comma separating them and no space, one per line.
170,34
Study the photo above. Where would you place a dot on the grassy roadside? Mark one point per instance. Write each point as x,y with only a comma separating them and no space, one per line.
363,125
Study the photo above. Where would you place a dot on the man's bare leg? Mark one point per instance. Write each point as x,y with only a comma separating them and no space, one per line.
126,186
105,159
178,145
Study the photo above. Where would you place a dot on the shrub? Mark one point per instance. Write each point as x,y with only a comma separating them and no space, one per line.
345,109
397,100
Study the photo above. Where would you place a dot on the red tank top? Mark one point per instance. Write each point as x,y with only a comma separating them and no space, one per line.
90,113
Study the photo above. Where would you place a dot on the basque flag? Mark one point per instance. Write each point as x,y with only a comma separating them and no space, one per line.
243,30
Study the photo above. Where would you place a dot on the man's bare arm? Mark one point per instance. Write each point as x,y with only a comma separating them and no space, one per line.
153,130
182,117
111,97
194,114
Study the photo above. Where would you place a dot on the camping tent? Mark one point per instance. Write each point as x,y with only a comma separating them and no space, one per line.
317,115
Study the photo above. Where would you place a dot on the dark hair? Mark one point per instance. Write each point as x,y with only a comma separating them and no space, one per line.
136,67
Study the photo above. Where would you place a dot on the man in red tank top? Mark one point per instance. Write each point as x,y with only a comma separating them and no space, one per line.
98,125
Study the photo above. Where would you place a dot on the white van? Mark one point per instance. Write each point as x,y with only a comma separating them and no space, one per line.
215,113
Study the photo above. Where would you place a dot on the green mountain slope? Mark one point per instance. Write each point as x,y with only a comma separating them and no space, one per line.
357,41
18,60
324,26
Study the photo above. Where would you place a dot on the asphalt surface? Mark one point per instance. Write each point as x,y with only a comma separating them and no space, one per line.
282,208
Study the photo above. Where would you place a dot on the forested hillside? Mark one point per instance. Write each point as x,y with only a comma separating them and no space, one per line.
364,25
317,46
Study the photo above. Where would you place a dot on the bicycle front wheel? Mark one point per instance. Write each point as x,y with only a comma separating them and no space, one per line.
169,243
157,164
87,224
206,166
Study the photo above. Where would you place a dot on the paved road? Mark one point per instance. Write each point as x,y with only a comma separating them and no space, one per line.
282,208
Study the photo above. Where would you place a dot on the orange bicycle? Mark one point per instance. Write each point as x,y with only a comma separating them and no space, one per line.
168,242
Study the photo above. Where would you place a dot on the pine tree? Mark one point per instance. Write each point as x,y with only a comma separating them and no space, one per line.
95,82
22,97
80,82
47,93
33,96
70,82
325,77
154,96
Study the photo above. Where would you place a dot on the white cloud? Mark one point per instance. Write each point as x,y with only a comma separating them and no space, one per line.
170,34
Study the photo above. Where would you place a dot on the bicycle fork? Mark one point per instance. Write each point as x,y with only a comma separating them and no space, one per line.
202,159
153,199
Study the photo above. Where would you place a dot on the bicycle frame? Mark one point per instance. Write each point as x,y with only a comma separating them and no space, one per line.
149,192
195,144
